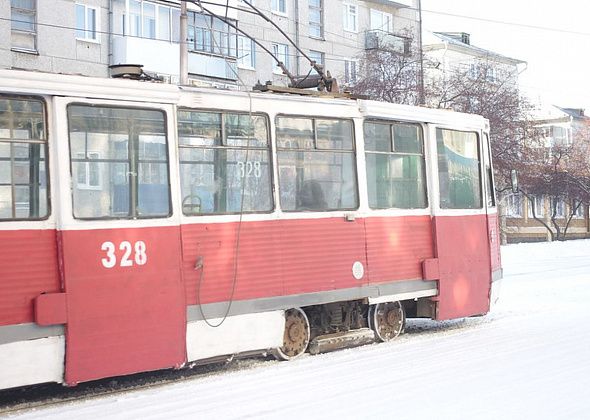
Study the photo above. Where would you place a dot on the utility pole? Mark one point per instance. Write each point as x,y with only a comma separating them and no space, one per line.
421,99
183,44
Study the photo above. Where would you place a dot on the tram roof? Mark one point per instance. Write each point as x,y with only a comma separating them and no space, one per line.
38,83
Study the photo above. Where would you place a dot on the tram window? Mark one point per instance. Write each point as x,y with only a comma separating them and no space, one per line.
224,162
316,164
458,169
119,162
489,178
395,165
23,160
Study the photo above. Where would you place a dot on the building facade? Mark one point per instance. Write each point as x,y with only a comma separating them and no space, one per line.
555,126
87,36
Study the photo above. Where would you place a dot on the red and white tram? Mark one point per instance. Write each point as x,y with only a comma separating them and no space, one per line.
146,226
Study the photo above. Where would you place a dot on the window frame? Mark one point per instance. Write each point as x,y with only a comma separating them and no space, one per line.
277,10
212,45
480,168
536,201
33,34
224,146
45,142
85,30
353,151
350,65
391,124
252,53
347,15
313,24
514,206
276,69
130,216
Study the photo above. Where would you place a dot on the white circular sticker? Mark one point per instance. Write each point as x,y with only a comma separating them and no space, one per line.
358,270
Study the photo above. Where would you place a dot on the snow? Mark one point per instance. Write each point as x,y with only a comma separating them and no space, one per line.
529,358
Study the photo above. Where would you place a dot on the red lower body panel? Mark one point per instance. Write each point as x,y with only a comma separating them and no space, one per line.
127,318
28,267
464,266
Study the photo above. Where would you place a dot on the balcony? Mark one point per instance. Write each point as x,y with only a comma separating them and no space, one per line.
377,39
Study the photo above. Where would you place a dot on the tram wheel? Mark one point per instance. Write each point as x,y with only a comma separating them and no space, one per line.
387,320
296,337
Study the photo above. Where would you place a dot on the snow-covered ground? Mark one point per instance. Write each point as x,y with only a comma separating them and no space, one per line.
528,359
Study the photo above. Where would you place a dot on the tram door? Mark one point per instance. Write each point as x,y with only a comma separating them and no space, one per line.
461,227
119,244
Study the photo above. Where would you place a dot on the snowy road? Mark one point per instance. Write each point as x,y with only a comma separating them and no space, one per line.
528,359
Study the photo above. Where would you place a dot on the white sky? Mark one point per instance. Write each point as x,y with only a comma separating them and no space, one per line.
558,69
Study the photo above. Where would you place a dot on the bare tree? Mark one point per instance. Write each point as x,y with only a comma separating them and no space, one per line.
390,72
561,172
490,89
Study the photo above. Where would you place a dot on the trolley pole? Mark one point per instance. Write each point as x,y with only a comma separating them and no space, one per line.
183,44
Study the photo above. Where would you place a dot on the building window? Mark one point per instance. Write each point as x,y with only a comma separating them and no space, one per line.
514,205
316,164
381,21
350,22
539,205
246,52
153,21
279,6
86,22
396,176
23,15
350,72
211,35
88,176
281,51
317,56
557,205
577,209
316,19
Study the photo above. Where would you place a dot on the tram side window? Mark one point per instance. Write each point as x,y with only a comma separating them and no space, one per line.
458,166
489,178
224,162
119,162
23,159
316,164
394,153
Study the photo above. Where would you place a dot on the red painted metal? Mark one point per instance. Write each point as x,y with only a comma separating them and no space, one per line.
275,258
494,228
396,247
50,309
463,252
28,267
123,319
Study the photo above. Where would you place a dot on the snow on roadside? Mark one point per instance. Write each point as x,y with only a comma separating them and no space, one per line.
529,358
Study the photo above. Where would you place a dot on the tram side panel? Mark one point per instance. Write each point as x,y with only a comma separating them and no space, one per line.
396,247
275,258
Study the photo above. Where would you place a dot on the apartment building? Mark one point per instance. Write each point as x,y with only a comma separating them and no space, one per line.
87,36
555,126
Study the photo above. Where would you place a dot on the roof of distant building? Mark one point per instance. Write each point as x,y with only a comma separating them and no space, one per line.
461,41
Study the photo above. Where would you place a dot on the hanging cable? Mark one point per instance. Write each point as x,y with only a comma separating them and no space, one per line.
201,264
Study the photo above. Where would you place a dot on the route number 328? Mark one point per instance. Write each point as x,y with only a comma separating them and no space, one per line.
129,254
